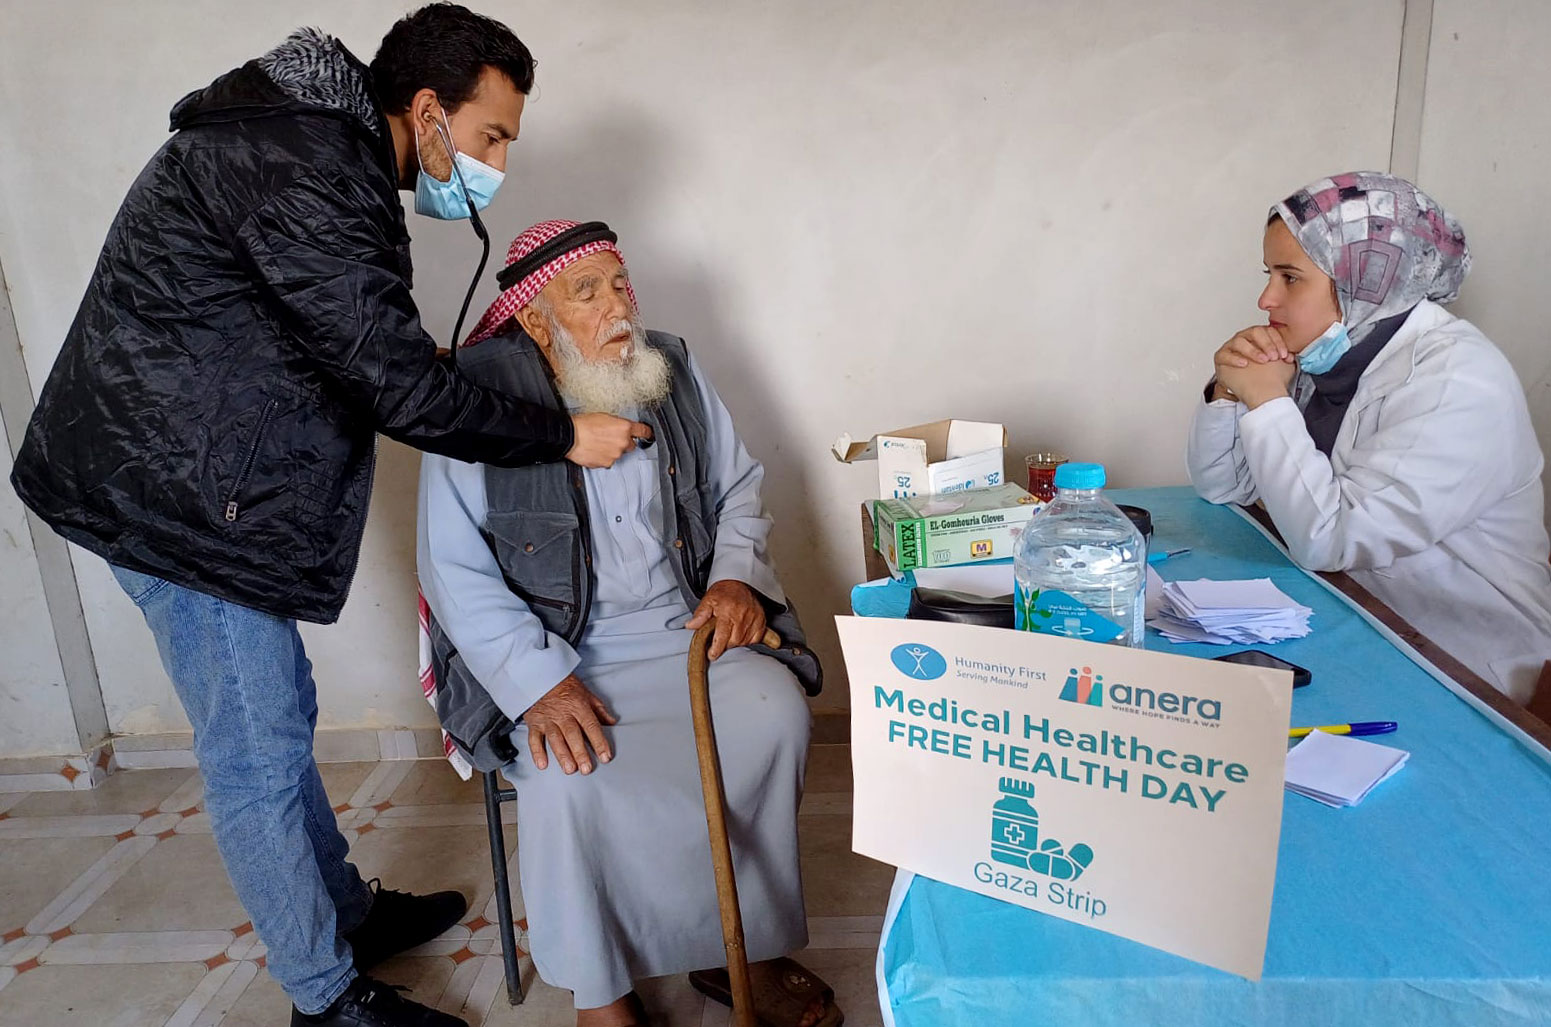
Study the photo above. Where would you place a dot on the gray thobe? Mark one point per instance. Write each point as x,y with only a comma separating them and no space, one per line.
615,866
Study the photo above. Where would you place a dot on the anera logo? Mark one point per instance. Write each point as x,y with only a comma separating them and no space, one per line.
1086,688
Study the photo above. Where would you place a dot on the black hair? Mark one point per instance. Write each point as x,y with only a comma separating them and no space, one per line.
445,47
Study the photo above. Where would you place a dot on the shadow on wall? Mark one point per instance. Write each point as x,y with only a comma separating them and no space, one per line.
685,302
608,170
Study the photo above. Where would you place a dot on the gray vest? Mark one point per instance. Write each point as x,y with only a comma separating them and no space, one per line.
537,526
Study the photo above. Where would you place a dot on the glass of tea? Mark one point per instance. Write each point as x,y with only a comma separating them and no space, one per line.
1042,474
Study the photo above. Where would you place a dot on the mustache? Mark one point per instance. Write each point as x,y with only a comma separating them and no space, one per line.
630,326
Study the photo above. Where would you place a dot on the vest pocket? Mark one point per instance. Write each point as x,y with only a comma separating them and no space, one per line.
695,530
540,556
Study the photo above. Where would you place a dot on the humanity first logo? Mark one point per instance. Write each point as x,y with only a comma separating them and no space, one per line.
921,662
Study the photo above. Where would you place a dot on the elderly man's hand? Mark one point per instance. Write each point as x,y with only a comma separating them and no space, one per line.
600,439
740,619
568,718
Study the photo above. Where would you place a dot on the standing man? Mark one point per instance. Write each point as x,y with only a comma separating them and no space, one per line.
209,429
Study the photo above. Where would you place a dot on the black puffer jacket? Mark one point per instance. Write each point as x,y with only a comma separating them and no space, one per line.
248,329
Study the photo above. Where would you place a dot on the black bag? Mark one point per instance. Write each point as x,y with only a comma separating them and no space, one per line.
960,607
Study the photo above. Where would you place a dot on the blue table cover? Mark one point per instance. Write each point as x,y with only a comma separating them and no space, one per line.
1428,904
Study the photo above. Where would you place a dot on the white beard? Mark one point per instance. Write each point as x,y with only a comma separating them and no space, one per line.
640,378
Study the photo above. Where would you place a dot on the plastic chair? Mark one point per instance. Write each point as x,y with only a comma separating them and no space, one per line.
494,796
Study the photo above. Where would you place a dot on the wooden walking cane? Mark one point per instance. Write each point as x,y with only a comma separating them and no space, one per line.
716,823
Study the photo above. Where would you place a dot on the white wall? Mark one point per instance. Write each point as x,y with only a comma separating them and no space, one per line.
35,716
1486,156
861,215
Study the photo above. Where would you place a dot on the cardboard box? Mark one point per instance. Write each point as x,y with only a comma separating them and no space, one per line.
964,527
931,459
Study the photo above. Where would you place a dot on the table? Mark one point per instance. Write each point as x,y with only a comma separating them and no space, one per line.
1430,903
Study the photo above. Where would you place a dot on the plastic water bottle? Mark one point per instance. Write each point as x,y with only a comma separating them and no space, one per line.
1080,565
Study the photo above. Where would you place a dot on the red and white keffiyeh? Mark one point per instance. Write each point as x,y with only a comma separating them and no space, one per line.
459,762
524,290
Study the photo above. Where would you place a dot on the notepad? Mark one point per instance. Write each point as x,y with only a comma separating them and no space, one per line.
1338,770
1246,612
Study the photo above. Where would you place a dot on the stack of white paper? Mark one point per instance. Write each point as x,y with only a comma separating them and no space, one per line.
1229,612
1339,770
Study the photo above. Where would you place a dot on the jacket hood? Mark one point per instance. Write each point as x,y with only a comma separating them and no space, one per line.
309,71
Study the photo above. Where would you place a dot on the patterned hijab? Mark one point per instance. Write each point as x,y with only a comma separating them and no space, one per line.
1386,244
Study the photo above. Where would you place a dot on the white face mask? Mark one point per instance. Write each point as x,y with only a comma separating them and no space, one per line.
472,182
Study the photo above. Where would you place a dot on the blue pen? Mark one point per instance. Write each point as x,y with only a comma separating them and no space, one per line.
1162,555
1355,729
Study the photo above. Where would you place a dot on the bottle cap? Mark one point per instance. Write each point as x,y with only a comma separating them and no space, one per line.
1080,476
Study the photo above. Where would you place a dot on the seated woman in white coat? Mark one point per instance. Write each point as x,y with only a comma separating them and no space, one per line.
1385,436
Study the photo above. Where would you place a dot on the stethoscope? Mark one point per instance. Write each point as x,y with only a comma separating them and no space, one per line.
445,135
484,255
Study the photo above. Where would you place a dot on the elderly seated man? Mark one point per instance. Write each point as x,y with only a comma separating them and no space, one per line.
562,603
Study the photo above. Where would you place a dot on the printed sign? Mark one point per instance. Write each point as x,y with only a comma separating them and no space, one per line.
1136,792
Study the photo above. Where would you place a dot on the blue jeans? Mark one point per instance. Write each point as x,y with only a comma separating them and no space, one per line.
246,685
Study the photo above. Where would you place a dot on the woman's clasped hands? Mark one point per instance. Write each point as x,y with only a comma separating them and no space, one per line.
1254,367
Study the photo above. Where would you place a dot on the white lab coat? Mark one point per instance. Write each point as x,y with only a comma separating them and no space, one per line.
1430,497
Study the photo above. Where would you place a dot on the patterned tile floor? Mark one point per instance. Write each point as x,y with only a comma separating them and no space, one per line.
115,912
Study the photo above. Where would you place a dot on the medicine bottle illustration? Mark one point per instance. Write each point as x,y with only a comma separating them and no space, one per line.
1014,824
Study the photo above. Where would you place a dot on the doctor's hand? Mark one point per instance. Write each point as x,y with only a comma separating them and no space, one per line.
1254,366
600,439
568,719
740,618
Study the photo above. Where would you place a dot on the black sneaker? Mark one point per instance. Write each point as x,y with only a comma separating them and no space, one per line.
398,921
369,1003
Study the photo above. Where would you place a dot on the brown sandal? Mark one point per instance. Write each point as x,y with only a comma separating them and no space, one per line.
784,991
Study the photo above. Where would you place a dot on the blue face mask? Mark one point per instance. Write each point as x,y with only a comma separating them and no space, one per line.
1321,355
446,200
